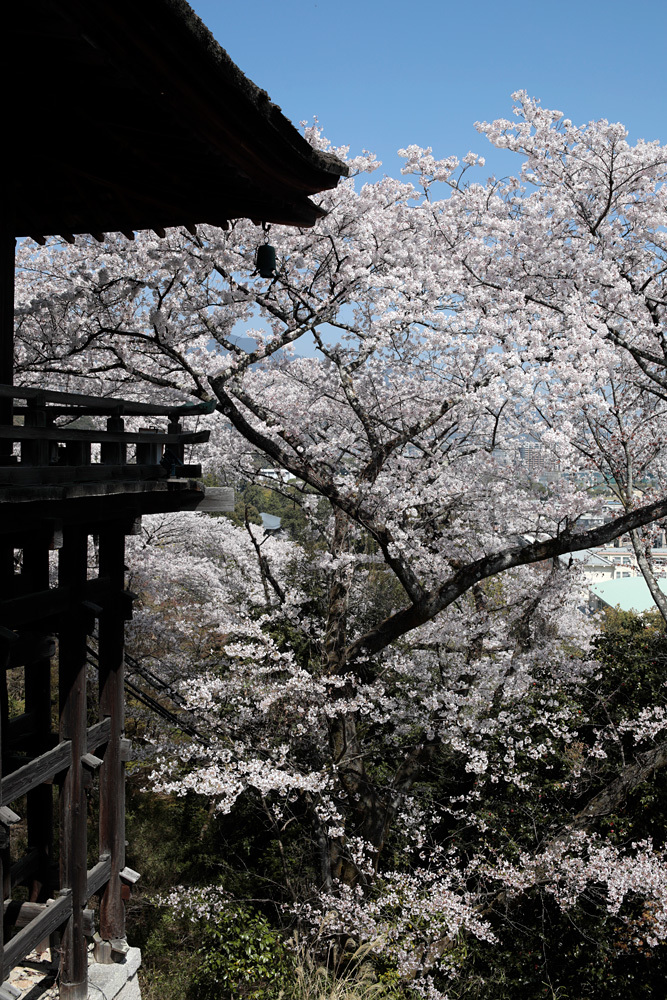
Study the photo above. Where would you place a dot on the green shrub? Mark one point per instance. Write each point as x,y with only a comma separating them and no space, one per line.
241,955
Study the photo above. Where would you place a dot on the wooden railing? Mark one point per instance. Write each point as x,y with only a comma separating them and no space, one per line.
39,920
55,448
83,476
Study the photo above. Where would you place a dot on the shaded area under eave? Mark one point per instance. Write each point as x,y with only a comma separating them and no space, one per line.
128,115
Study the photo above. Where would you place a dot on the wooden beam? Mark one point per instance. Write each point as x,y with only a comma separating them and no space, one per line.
42,604
41,769
30,475
98,506
90,761
31,649
129,875
48,921
98,734
98,876
105,406
17,914
79,436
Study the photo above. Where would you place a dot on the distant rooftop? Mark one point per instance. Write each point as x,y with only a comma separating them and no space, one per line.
629,593
588,556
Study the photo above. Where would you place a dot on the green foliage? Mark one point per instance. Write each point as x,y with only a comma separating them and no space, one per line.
243,509
632,650
168,845
581,954
169,956
284,502
240,955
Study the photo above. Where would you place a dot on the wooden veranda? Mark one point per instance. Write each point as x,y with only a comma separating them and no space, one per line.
55,500
122,116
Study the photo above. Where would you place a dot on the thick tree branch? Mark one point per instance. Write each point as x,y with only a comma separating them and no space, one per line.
611,798
302,469
418,614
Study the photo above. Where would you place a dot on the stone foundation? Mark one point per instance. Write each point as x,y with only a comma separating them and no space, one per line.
37,980
117,981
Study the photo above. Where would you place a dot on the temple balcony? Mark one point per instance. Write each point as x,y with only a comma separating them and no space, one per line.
76,450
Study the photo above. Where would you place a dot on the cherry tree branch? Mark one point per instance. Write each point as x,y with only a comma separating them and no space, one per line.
303,469
419,613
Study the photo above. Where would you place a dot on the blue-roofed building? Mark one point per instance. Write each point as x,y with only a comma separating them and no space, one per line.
631,594
270,522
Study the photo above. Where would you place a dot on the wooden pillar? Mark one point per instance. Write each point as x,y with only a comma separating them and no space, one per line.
38,703
73,812
112,705
178,450
114,452
5,564
35,452
7,249
77,453
6,588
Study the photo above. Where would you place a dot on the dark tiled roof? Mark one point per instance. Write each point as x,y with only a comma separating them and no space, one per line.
127,114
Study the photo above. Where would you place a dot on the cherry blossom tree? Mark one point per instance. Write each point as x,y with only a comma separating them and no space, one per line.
446,329
622,438
511,722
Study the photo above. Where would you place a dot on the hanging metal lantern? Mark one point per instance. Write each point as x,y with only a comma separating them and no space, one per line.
266,260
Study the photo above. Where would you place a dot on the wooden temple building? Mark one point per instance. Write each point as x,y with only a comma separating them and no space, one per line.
123,115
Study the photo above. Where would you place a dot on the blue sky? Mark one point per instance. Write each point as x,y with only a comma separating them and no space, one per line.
381,74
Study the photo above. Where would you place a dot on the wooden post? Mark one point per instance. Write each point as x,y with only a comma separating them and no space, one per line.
8,582
73,812
147,453
112,705
77,453
175,427
38,702
7,248
114,452
35,452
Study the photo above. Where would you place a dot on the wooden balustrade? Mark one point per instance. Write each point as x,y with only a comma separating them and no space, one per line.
73,758
74,478
55,449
